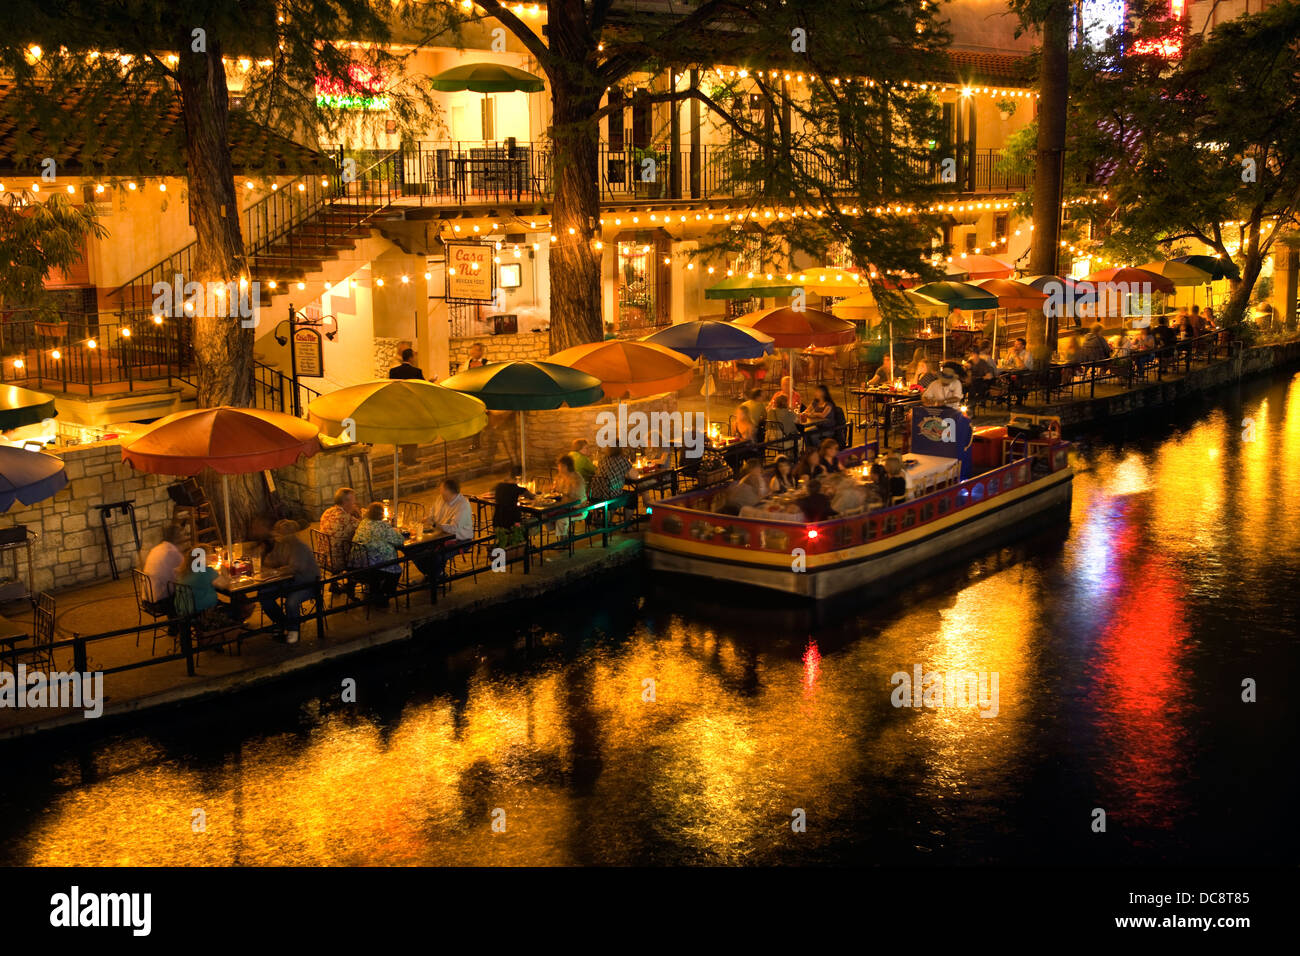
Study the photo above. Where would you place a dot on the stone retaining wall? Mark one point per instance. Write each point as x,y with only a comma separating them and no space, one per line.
520,347
69,547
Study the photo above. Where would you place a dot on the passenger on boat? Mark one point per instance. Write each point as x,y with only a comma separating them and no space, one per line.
794,400
897,479
946,389
880,481
827,451
849,497
782,476
810,465
780,416
815,505
748,490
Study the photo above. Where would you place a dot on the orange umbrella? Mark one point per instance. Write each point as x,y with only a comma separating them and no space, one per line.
230,441
794,329
1136,279
629,369
978,266
1011,294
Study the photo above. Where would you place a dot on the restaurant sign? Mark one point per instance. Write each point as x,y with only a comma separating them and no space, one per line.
469,271
308,354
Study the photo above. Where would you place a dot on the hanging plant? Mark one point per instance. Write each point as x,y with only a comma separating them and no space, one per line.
1006,108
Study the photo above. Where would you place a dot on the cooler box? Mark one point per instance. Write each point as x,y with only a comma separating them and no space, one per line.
986,449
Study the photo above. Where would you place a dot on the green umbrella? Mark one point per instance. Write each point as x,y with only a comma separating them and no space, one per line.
757,287
22,406
486,78
527,386
957,295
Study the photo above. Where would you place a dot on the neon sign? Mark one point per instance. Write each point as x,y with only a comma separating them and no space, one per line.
362,90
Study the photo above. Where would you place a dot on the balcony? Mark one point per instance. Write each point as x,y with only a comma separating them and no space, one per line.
519,173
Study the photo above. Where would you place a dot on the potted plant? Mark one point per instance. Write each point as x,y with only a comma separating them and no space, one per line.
1006,108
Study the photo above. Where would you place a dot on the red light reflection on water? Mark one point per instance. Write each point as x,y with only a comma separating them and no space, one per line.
1139,685
812,666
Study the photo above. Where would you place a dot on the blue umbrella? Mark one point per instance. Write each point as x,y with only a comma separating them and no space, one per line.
712,341
1217,268
29,476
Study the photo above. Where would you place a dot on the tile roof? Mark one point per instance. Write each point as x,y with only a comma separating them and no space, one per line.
111,145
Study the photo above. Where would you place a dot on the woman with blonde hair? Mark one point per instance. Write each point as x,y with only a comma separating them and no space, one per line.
917,368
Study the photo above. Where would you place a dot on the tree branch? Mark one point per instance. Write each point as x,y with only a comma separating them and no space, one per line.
531,41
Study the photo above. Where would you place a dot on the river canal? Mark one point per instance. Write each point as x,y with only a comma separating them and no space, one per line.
1120,646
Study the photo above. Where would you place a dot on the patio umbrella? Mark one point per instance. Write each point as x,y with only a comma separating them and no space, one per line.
629,369
1216,267
975,265
22,406
713,342
486,78
1011,295
830,280
230,441
957,295
527,386
399,412
1179,273
855,309
29,476
792,329
1131,276
753,286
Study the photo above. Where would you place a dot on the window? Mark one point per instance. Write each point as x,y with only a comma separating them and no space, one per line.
909,518
614,122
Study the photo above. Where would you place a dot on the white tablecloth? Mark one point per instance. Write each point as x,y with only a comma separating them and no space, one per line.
929,472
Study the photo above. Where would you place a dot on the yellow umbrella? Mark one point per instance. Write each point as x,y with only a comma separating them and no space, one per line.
400,412
629,369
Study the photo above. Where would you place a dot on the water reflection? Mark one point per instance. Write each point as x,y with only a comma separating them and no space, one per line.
653,723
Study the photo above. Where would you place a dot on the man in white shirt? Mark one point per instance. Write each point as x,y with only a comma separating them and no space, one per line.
944,390
163,565
451,512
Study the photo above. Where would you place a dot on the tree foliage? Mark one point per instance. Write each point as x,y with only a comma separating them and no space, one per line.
37,238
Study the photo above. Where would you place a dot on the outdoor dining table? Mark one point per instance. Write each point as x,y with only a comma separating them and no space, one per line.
540,506
877,407
426,550
654,478
499,175
926,473
248,585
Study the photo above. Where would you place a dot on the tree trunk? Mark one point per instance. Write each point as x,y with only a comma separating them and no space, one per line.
574,261
223,349
1049,165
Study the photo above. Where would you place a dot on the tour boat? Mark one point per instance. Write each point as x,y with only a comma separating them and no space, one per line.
1014,480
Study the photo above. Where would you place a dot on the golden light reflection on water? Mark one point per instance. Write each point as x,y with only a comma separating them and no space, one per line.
751,718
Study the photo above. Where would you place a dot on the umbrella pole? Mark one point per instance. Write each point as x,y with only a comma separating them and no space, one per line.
396,448
225,493
790,355
893,372
707,395
523,449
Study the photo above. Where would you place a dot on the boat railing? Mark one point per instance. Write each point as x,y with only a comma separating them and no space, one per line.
676,518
